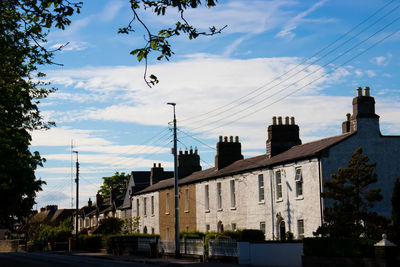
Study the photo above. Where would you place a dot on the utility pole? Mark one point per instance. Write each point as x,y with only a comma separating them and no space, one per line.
77,195
177,244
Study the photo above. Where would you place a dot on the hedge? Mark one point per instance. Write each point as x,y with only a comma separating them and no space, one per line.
333,247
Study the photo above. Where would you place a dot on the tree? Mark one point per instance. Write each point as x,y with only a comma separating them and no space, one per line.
117,182
159,42
110,226
24,25
349,212
396,203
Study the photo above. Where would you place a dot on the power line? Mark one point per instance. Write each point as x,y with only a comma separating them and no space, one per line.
294,83
315,54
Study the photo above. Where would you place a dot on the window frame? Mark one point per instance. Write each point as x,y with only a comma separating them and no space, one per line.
187,200
299,182
278,185
167,203
145,206
207,198
137,207
300,228
261,188
233,194
152,205
262,227
219,196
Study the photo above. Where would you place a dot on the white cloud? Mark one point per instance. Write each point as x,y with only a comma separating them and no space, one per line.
293,23
370,73
110,11
382,61
71,46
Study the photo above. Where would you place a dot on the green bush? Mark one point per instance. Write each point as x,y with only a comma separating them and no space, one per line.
192,234
110,226
91,242
252,235
59,233
333,247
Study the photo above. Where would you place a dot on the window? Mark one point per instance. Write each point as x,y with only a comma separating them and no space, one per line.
207,228
167,203
206,198
261,188
152,205
233,226
262,227
299,182
137,207
278,179
152,231
233,194
145,206
168,233
187,228
186,200
219,197
300,228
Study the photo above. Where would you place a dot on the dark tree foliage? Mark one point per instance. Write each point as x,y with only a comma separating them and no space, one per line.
117,182
158,42
352,198
24,25
111,226
396,203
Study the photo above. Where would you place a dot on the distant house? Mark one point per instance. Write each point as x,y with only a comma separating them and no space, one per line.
50,215
276,192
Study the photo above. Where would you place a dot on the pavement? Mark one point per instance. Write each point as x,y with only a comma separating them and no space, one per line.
165,261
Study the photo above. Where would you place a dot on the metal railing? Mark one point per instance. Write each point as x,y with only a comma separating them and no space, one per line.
222,247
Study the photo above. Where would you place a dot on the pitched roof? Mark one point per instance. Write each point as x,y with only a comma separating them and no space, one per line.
308,150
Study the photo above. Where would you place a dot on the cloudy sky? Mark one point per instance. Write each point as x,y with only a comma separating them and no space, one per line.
274,58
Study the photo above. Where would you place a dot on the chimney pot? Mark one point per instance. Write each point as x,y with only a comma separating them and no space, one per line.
154,165
273,120
366,91
191,151
225,139
348,115
195,150
359,91
159,165
292,121
220,138
180,152
280,120
186,152
287,120
231,139
236,139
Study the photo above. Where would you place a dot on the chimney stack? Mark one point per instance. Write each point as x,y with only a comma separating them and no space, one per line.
89,202
189,162
99,200
282,137
157,173
228,152
346,124
364,116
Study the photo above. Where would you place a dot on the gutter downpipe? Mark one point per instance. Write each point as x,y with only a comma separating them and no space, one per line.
320,189
272,204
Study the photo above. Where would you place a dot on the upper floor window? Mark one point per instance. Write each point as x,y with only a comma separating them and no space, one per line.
186,199
278,180
167,202
233,194
137,207
145,206
152,205
262,227
219,196
261,188
299,182
206,197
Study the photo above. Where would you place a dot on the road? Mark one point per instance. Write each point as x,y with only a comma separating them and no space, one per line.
33,259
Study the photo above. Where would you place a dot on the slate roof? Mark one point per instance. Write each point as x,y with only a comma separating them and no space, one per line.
308,150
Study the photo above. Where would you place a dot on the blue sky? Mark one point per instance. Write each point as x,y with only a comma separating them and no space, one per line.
275,58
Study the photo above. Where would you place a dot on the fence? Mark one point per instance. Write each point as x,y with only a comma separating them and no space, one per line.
144,243
222,248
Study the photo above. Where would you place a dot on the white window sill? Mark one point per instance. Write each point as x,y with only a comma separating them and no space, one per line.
167,213
186,211
279,200
219,209
233,208
300,198
207,211
262,202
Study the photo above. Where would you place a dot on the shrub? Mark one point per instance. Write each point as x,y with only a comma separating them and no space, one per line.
110,226
91,242
252,235
192,234
332,247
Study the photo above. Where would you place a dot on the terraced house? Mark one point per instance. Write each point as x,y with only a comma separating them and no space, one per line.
277,192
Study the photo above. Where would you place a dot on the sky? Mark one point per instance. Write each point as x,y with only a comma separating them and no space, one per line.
275,58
